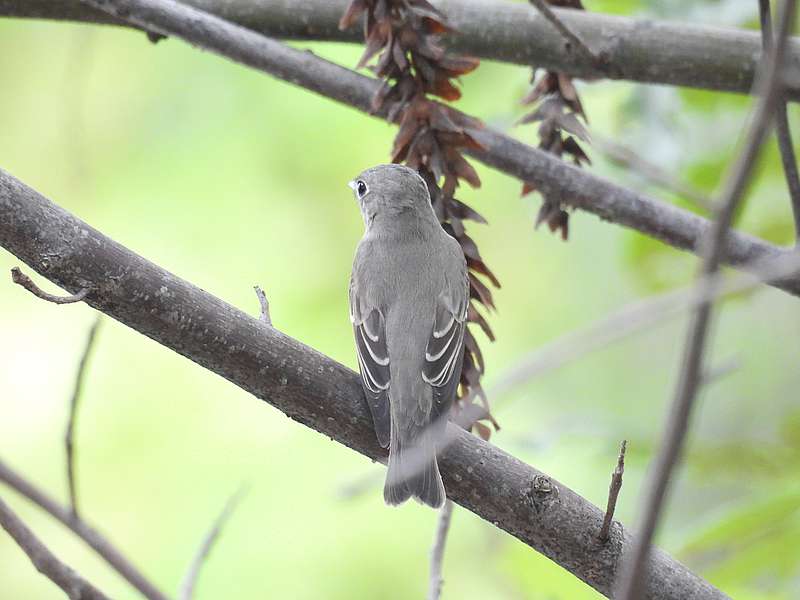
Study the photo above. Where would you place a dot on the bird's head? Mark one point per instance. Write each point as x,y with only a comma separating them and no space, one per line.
390,191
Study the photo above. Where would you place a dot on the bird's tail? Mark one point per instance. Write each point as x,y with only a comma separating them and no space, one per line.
413,470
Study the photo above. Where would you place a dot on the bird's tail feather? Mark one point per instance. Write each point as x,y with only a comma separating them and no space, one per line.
413,471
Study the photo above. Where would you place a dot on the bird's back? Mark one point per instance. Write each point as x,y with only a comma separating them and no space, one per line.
416,280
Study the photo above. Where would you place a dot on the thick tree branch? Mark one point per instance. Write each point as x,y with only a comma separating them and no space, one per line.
316,391
552,176
692,369
640,50
74,586
96,541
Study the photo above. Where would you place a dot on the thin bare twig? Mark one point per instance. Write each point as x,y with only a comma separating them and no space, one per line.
73,412
190,580
691,375
626,157
20,278
437,553
782,129
572,38
97,542
74,586
613,492
262,300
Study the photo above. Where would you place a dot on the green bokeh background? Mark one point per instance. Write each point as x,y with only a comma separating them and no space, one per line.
229,178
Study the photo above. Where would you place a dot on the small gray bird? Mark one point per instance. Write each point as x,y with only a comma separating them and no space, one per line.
409,295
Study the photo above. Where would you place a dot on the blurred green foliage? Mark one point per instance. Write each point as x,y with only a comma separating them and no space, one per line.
229,179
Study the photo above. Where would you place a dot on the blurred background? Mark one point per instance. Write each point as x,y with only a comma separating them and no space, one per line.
229,178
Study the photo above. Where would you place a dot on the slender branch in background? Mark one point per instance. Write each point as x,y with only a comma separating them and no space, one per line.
786,147
629,159
636,49
573,39
73,413
96,541
613,492
782,129
437,553
725,368
692,369
20,278
190,580
317,391
679,228
636,317
74,586
358,485
264,317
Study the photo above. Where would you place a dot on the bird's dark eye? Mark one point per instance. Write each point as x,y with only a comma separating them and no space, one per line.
361,188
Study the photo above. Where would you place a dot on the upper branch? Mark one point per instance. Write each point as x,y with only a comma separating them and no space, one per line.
556,178
315,390
639,50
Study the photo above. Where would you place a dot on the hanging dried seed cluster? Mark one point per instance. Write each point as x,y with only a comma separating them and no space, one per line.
557,112
405,36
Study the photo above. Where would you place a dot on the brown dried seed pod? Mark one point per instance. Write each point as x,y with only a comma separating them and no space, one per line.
403,44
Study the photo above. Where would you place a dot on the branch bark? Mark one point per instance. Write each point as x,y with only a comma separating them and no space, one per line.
559,180
640,50
316,391
73,585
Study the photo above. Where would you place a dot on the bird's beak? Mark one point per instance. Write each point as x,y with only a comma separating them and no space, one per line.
351,185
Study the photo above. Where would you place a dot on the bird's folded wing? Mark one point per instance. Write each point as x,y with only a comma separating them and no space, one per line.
444,351
373,362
